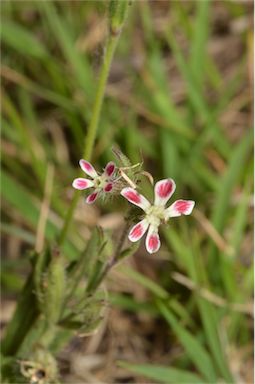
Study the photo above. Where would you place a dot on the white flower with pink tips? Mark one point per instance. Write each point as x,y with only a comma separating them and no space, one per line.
100,183
155,213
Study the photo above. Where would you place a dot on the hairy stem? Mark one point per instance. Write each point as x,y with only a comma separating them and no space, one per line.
92,129
111,263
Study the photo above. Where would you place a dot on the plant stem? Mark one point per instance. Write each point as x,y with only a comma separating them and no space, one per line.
111,263
92,129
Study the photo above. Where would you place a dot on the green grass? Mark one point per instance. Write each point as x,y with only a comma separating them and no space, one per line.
48,92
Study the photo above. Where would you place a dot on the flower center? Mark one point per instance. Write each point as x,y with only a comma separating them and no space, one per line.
154,214
100,182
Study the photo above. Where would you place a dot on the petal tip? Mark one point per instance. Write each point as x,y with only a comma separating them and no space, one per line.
163,191
87,168
152,242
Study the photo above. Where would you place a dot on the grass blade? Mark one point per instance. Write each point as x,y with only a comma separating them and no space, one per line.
196,352
162,374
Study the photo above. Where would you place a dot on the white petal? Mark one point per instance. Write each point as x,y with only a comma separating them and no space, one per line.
88,168
138,230
152,240
81,183
180,207
135,198
163,190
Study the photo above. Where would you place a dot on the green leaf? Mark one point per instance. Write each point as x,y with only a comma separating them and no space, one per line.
61,31
162,374
27,205
146,282
24,317
196,352
210,322
200,36
130,304
229,179
22,40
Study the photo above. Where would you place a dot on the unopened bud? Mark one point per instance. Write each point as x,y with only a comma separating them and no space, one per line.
117,15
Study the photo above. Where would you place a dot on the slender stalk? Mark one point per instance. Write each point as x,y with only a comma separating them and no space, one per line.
111,263
92,129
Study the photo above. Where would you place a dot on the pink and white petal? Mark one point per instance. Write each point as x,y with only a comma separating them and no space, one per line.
138,230
109,169
81,183
92,197
88,168
108,187
135,198
163,190
180,207
152,242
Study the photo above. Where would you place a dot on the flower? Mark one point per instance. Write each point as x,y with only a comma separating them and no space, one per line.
100,183
155,213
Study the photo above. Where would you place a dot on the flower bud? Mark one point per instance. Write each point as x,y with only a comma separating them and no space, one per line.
117,14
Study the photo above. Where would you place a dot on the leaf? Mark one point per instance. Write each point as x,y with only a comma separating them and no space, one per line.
63,34
17,196
162,374
210,322
24,317
146,282
199,41
22,40
196,352
221,207
230,178
128,303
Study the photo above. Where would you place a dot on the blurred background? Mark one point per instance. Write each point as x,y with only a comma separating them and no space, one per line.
179,98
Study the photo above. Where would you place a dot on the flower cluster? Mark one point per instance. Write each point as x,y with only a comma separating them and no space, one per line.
154,214
100,183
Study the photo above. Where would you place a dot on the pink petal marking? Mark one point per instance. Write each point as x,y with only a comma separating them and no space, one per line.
152,241
134,197
108,187
138,230
92,197
81,183
88,168
163,191
110,168
180,207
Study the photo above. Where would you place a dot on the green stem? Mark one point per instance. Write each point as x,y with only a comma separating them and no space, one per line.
89,143
92,129
91,288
